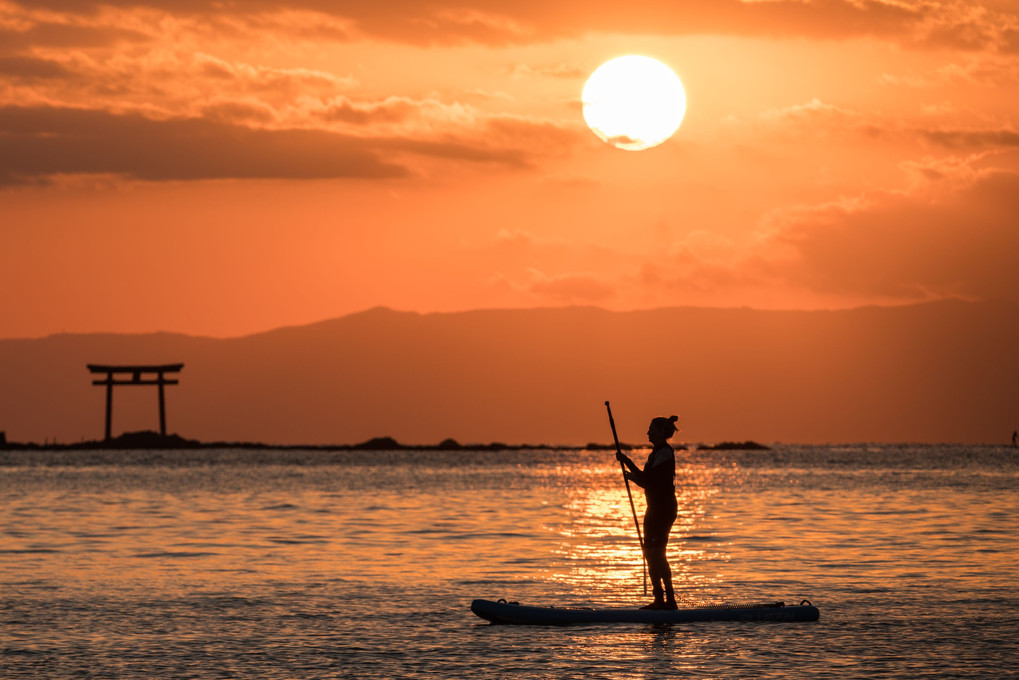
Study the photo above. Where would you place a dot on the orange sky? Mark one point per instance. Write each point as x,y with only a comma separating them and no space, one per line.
222,168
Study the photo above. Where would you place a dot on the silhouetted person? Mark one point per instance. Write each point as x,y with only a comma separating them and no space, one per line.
657,480
1015,439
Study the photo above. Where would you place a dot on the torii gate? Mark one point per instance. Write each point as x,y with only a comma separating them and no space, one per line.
136,379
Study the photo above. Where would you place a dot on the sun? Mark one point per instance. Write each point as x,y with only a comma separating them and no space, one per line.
634,102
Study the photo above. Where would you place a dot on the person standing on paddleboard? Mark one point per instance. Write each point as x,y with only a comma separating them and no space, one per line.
658,481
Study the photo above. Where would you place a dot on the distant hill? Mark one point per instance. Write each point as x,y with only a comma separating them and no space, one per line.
946,371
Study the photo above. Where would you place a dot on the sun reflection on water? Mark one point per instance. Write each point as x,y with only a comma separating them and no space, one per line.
598,555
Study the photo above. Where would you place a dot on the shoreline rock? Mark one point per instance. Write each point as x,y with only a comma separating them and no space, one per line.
734,446
149,440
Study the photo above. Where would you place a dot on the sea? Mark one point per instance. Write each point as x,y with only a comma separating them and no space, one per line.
298,564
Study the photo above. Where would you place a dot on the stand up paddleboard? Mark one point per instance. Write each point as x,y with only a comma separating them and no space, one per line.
515,613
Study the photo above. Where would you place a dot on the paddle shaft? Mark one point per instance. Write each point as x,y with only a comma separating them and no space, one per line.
633,509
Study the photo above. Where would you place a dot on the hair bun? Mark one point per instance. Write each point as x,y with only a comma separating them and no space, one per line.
673,419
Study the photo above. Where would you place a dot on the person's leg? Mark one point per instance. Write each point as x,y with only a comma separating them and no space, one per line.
656,536
665,570
656,539
653,564
666,574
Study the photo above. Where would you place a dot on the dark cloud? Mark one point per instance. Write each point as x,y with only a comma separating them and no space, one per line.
969,139
29,68
1010,41
962,35
515,21
39,142
66,36
239,113
455,150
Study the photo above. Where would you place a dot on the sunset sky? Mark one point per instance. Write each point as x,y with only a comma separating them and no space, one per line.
223,168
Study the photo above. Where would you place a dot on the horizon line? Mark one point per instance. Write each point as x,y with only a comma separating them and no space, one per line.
479,310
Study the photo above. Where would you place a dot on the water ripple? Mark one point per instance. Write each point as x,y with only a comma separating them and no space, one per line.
241,564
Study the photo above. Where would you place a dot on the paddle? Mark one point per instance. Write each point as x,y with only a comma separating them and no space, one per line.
629,495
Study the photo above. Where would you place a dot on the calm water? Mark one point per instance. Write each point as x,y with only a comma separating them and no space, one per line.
241,564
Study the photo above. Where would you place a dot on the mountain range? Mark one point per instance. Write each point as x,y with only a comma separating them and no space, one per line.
943,371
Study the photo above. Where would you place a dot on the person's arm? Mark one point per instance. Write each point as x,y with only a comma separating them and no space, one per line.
632,472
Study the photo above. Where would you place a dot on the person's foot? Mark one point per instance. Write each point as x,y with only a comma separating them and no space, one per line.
670,604
657,604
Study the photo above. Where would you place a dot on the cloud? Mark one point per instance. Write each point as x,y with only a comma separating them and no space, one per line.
1010,41
176,84
571,288
924,24
38,142
524,71
915,246
967,27
950,235
813,117
398,113
539,136
453,129
457,150
46,34
813,110
983,70
167,83
249,78
543,270
240,112
32,68
830,121
959,138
